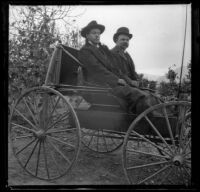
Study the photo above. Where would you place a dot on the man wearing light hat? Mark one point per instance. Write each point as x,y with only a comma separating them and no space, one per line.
95,57
124,62
99,70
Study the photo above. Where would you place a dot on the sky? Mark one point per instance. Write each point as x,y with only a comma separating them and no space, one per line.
158,32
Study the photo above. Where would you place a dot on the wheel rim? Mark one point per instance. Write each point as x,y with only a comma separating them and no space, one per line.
102,141
44,133
159,158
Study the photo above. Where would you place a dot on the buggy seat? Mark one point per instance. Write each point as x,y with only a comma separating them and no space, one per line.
65,71
105,110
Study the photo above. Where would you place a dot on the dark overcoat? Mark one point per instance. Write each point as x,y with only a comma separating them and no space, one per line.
124,64
98,66
99,69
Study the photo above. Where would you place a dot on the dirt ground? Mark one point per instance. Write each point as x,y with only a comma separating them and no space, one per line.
91,169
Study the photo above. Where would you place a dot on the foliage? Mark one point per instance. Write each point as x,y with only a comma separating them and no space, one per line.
171,75
186,84
32,37
145,83
170,90
152,85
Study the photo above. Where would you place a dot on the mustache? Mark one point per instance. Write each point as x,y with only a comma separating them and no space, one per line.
125,44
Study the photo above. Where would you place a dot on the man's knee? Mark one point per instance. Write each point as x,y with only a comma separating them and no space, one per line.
145,102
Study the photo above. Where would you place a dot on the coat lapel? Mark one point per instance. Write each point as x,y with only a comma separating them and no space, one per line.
131,64
97,54
126,57
118,51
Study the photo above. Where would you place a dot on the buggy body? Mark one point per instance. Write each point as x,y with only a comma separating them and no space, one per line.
48,125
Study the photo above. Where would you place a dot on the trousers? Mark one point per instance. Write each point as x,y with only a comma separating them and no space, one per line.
136,100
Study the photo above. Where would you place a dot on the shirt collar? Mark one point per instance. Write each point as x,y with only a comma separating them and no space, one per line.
90,42
120,49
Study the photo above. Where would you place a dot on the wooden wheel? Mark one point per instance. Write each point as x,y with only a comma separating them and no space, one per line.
44,133
157,149
102,141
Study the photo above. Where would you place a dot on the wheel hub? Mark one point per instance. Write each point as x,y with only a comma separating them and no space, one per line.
178,160
40,134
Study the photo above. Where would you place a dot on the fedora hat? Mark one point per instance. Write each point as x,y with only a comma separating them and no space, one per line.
92,25
122,30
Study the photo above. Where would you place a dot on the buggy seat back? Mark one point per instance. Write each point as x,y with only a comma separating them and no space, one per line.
65,69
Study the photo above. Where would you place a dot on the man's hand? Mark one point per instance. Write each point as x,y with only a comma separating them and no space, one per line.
135,83
122,82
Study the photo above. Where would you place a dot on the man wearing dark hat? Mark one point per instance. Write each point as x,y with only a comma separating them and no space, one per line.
99,69
124,62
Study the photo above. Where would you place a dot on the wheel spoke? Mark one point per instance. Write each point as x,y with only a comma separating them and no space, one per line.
169,126
153,144
188,153
181,121
23,127
187,164
179,173
24,136
185,147
30,111
61,130
166,176
42,152
25,146
98,142
111,137
113,141
157,132
31,104
158,147
38,158
50,115
187,172
187,136
31,153
35,104
57,167
59,120
161,170
90,140
45,159
59,152
105,141
147,165
115,132
61,141
154,162
145,153
25,118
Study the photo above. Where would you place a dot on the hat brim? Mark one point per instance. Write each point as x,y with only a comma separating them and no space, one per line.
86,29
117,34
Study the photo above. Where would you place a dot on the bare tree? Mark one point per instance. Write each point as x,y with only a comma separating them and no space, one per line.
33,30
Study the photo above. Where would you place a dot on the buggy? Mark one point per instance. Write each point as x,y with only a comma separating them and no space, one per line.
49,123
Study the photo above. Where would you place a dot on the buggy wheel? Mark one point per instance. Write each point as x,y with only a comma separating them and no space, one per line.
102,141
44,133
157,149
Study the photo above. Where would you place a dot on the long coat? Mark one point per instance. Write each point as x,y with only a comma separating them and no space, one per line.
99,69
124,64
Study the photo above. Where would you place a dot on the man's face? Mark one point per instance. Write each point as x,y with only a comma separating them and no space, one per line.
122,41
94,36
